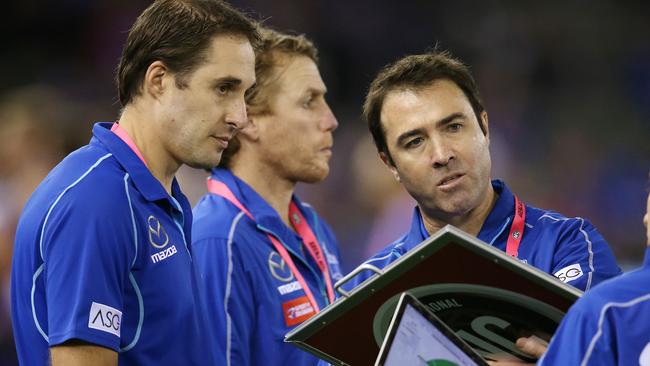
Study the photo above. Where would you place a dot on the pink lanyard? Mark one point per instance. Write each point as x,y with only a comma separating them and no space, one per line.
310,241
305,232
121,133
517,229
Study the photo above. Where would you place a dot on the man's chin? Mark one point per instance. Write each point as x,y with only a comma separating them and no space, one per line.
449,210
204,163
312,177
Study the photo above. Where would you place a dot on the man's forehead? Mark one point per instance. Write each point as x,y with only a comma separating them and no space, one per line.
434,88
230,50
300,73
404,107
399,106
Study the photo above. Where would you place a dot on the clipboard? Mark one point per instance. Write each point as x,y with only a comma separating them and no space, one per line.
417,336
449,271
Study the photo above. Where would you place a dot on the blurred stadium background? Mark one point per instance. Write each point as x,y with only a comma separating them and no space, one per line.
566,85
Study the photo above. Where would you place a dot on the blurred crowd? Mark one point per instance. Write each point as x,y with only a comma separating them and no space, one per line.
566,86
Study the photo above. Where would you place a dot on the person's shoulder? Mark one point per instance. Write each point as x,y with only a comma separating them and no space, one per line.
98,174
86,176
624,290
214,217
390,252
543,215
553,220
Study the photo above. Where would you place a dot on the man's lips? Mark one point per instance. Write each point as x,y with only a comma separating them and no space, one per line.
223,140
450,180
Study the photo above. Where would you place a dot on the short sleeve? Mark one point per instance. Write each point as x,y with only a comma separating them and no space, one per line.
582,257
88,246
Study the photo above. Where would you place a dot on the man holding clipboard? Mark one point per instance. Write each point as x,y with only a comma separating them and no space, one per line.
431,131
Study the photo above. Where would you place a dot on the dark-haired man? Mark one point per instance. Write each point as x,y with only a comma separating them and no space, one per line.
267,259
103,270
431,130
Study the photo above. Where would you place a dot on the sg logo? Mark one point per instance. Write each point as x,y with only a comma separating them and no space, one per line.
570,273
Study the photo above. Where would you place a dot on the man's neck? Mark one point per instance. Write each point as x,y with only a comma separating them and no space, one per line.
161,165
275,190
471,222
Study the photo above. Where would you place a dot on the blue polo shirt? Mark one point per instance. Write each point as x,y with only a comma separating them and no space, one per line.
569,248
103,255
610,325
254,299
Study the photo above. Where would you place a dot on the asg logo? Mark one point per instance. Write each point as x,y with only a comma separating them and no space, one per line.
569,273
105,318
279,268
157,234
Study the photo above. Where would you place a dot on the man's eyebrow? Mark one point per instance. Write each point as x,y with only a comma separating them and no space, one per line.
227,80
449,118
317,91
408,134
418,131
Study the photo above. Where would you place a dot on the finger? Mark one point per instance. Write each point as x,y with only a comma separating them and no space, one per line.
532,345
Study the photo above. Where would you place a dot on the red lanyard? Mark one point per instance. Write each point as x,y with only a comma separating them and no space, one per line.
305,232
310,241
517,228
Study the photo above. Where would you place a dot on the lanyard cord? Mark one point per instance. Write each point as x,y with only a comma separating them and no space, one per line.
220,189
310,241
517,229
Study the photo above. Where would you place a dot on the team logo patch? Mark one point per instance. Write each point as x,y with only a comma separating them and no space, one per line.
105,318
297,311
569,273
163,254
157,234
279,268
289,288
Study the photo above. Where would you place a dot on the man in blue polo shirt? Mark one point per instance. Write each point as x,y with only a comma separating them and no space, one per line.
431,130
267,259
102,269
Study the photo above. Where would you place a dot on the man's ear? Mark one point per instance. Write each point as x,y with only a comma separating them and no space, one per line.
485,125
388,162
156,79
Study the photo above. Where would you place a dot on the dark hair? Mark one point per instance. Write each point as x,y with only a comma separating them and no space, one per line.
176,32
417,71
273,50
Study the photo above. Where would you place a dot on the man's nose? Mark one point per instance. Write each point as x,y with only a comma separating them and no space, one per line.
441,153
328,122
237,117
